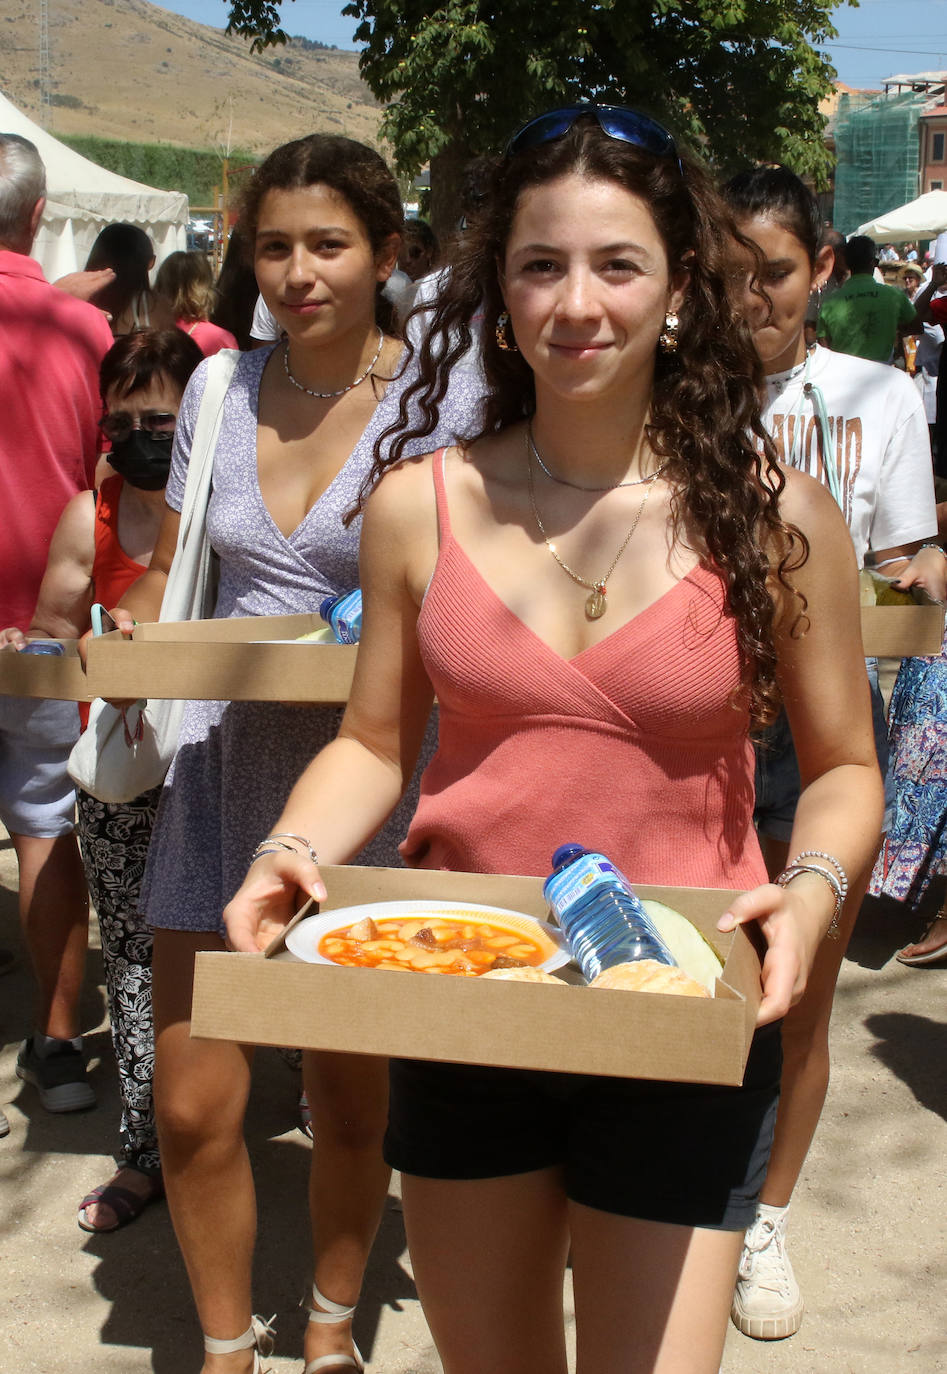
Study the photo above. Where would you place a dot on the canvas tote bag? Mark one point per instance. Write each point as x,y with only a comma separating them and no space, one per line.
125,752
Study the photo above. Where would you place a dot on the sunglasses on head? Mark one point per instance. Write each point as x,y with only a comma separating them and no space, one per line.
118,425
628,126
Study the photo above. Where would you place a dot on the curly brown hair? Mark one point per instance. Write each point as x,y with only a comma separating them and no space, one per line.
351,169
705,408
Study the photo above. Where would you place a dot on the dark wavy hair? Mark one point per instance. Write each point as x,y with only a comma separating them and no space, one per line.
353,171
705,411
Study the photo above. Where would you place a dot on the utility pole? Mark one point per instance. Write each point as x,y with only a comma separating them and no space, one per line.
45,107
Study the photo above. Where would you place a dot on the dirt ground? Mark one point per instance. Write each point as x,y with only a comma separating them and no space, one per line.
868,1235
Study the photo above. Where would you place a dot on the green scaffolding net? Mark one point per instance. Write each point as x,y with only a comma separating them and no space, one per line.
876,146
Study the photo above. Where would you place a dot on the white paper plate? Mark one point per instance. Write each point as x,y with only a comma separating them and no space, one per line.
303,940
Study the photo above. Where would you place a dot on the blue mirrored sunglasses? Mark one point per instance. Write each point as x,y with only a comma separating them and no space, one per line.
629,126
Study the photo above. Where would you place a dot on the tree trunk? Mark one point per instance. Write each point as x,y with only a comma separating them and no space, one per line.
447,175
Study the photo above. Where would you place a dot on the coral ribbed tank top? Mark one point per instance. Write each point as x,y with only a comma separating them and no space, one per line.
634,747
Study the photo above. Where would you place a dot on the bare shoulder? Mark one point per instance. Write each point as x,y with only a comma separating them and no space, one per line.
75,532
810,506
828,574
404,497
399,540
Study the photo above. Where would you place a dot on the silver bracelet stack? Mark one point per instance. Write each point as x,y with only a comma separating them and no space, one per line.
276,844
837,880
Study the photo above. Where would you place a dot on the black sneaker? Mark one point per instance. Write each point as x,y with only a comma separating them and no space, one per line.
59,1076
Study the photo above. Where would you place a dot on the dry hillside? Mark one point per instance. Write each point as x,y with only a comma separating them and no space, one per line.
144,74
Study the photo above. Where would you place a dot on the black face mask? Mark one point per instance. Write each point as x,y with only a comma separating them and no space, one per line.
143,460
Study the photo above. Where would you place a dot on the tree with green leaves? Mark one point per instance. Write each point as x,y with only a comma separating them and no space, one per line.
739,79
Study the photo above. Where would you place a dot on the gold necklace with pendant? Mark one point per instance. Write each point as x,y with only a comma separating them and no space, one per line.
596,603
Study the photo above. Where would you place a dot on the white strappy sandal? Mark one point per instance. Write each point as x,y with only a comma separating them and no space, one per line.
329,1315
258,1337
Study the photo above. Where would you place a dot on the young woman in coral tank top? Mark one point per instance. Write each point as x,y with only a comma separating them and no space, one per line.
605,587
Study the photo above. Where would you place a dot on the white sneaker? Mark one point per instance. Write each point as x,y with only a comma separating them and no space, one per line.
767,1304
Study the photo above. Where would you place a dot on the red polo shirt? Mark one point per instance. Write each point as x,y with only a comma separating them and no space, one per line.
51,346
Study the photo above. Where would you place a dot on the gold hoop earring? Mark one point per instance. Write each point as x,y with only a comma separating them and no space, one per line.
668,340
504,333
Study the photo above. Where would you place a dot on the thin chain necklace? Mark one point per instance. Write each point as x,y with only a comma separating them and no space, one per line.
576,486
328,395
595,603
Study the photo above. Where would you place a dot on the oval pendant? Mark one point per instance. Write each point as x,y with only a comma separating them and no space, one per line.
595,604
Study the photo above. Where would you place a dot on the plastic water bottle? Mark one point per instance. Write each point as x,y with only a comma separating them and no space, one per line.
43,646
602,919
344,615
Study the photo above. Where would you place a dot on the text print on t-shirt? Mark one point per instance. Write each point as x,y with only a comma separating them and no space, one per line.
846,447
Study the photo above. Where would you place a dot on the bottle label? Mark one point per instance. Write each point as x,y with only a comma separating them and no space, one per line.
569,886
345,617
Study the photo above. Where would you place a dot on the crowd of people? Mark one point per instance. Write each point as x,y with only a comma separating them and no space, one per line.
607,500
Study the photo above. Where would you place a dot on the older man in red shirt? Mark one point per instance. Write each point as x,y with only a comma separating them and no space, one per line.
51,346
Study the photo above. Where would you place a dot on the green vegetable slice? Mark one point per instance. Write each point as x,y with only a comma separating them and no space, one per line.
692,950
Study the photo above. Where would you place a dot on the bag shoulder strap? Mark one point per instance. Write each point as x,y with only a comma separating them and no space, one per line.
220,370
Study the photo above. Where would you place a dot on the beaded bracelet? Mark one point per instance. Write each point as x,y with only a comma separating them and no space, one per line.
829,858
793,871
938,547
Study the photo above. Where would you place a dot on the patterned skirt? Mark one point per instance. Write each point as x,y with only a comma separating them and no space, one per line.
915,849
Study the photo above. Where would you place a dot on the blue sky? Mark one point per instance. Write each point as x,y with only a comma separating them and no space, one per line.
880,38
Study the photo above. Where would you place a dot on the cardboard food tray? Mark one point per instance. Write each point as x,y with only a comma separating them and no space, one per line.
223,660
283,1001
59,676
903,631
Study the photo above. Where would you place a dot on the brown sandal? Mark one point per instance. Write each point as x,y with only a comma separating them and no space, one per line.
126,1205
927,956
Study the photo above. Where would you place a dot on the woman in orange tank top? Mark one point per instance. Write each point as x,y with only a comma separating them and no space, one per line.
103,544
605,587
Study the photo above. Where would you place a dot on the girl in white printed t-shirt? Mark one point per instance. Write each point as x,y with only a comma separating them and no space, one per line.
858,427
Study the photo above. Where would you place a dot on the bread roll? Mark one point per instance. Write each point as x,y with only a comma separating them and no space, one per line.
521,975
647,975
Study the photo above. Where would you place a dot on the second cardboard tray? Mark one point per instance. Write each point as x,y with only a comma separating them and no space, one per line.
902,631
252,658
281,1001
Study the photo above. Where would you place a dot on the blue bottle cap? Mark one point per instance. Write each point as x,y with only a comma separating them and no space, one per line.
566,853
326,604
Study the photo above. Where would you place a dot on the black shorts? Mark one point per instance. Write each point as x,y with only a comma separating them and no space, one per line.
688,1153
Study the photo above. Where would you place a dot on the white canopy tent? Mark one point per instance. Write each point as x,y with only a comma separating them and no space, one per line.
82,198
923,218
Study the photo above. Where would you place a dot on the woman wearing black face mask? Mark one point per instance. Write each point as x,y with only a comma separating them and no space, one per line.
102,544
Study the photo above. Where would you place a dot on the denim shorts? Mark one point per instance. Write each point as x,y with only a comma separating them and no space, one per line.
691,1154
777,772
37,795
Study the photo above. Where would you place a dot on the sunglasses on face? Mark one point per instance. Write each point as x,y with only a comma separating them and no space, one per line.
628,126
118,424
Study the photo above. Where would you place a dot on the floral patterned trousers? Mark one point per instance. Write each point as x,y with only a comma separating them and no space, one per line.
114,841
